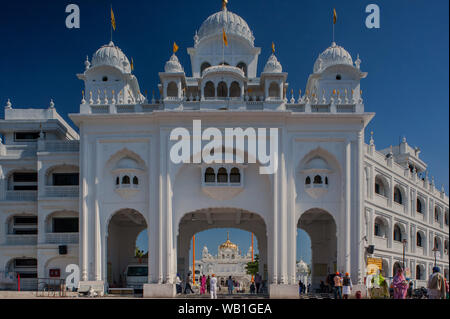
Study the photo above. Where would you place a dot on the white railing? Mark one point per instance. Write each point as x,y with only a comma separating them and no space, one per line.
380,242
21,239
61,191
21,196
20,150
61,146
380,200
61,238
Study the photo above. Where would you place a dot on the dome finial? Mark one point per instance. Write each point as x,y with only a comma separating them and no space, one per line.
224,4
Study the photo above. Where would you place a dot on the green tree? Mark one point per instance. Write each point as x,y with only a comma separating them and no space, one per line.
253,266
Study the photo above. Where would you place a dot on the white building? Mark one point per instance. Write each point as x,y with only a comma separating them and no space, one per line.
344,193
229,261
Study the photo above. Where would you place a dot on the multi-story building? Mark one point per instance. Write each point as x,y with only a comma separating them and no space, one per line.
93,194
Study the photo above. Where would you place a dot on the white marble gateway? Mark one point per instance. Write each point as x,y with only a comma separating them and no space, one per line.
83,198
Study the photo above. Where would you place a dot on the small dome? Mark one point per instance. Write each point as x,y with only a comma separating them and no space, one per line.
173,65
272,65
232,23
333,55
111,55
317,163
127,163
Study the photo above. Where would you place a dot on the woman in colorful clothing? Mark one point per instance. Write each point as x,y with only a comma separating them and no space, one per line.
203,285
400,285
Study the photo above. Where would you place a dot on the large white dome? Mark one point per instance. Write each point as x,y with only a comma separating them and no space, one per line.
111,55
333,55
231,22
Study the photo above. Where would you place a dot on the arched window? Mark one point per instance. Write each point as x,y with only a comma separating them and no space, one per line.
172,89
419,206
135,181
318,179
418,272
419,240
274,90
436,213
380,227
308,181
117,180
397,233
398,196
326,180
380,187
446,218
204,66
126,180
243,67
210,175
235,176
436,243
222,90
222,176
235,89
210,90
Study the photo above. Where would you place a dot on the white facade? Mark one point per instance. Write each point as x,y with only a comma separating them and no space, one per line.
325,183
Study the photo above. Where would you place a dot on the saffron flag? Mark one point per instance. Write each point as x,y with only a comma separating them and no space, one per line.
334,16
132,64
225,39
175,47
113,20
273,47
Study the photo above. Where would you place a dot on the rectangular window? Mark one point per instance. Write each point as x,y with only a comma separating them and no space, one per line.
25,262
24,177
25,220
65,179
65,225
26,136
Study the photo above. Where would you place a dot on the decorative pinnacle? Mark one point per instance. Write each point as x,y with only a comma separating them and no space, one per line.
224,4
52,104
8,105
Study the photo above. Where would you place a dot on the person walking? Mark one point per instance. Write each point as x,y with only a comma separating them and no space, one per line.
400,285
300,286
188,288
347,285
213,287
258,282
203,285
436,285
178,284
230,285
208,284
337,280
252,288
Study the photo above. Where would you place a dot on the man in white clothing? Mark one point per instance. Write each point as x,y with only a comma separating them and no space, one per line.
213,288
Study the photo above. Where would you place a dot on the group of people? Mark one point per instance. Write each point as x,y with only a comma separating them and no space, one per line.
338,283
437,286
209,285
302,287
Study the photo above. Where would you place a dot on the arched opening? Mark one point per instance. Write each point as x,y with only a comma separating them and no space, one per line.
308,180
135,180
172,89
419,208
381,187
318,179
222,90
204,66
125,267
209,90
419,240
243,67
26,267
235,176
303,260
64,175
210,175
437,214
223,246
126,180
274,91
397,233
398,198
235,89
380,227
321,228
222,175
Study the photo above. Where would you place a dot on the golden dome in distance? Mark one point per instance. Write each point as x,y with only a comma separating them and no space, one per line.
228,244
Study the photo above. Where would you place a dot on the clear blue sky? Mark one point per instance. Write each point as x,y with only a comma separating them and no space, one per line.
407,58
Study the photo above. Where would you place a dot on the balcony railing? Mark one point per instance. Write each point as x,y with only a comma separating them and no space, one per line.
21,239
61,238
60,146
62,191
21,196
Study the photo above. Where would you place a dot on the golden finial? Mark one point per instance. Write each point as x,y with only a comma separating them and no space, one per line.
224,4
300,92
334,92
292,91
307,92
273,47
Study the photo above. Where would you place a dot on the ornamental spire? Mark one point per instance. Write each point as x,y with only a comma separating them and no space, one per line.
224,4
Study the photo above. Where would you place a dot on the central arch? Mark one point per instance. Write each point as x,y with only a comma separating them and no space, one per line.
321,228
220,218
